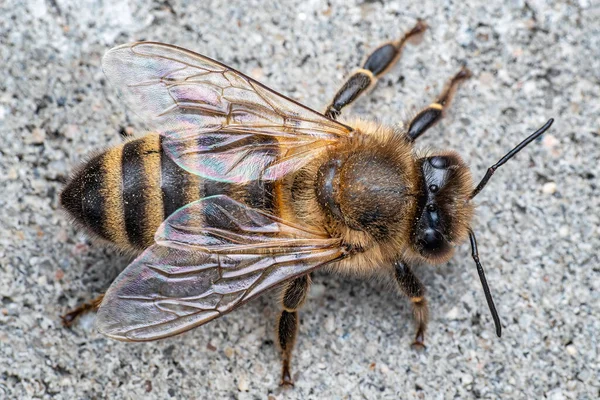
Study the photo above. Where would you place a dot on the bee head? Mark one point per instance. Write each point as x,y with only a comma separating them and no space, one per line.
445,209
444,212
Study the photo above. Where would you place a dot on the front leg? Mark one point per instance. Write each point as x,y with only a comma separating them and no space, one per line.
434,112
410,285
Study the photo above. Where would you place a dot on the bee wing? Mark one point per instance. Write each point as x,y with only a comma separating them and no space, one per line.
217,122
210,257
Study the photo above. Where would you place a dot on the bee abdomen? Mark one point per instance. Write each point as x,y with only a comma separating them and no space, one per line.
124,194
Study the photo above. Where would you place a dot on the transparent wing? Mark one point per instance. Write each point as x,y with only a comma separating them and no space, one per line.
211,256
217,122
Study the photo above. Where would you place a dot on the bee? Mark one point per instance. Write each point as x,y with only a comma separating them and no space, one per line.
243,189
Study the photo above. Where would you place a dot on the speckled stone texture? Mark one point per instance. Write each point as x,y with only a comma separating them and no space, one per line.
537,224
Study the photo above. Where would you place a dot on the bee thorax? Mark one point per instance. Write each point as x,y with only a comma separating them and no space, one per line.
363,191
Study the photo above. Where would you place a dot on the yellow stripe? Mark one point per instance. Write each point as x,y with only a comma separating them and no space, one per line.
193,190
365,72
436,106
154,215
114,221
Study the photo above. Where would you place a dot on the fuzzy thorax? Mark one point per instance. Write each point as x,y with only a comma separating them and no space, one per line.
364,191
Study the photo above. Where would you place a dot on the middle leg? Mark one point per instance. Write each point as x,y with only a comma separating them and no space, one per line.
412,287
294,295
377,64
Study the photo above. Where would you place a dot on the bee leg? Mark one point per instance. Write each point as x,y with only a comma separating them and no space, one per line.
69,318
434,112
377,64
412,287
294,295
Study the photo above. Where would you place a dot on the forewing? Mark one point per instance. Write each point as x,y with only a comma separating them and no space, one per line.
210,257
217,122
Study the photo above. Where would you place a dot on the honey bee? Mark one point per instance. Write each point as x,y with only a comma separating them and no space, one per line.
243,189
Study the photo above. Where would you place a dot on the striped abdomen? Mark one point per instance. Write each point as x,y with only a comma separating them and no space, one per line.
125,193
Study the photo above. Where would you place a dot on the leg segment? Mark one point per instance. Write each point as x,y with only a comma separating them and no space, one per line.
380,61
414,289
287,330
69,318
294,295
433,113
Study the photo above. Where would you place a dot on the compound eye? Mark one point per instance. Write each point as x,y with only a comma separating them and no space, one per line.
431,241
439,162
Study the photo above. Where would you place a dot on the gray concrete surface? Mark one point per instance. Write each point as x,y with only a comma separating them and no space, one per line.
538,222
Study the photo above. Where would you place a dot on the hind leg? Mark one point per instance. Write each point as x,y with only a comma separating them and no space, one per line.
293,297
69,318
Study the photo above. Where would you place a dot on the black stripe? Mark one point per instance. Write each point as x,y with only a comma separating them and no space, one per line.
92,201
209,187
70,198
174,183
83,199
134,186
260,194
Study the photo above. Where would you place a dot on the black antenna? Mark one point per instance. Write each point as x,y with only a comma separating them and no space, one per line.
510,155
486,288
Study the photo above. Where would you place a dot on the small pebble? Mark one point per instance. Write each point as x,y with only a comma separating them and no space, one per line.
550,141
228,352
330,324
243,385
529,88
583,375
12,174
129,131
371,349
466,379
549,188
552,144
452,314
384,369
71,132
317,290
563,231
37,136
